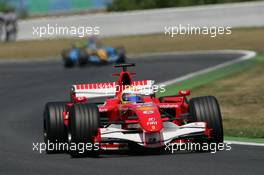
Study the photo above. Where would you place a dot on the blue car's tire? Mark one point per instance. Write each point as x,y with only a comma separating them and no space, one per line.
83,58
121,59
120,51
68,63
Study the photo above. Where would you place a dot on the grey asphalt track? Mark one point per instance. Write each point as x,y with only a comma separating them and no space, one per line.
26,87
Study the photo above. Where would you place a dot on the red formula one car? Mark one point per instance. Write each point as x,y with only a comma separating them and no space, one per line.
130,117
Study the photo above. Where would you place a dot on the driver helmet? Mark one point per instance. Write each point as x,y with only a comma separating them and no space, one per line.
91,42
131,98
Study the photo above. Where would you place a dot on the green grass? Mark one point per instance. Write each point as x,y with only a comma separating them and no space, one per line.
240,91
206,78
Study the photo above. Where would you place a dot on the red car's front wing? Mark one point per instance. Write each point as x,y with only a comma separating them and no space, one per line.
113,137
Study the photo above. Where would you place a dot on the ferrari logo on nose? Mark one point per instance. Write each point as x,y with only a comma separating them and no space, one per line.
152,121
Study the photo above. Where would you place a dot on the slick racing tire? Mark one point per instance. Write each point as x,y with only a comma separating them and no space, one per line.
122,54
84,122
54,129
121,59
83,58
206,109
68,63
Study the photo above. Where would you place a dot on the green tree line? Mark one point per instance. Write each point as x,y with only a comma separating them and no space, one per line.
124,5
4,7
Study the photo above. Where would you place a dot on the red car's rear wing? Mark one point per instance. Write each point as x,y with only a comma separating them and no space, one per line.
107,89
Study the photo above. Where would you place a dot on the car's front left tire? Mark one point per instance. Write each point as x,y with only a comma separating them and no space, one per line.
54,130
206,109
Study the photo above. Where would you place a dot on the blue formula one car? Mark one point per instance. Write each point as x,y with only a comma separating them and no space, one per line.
91,53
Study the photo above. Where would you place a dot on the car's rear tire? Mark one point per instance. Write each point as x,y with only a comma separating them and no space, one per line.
122,54
83,58
121,59
54,129
84,122
206,109
68,63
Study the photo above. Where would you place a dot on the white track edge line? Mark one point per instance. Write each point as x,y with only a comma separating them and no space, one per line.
246,55
244,143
